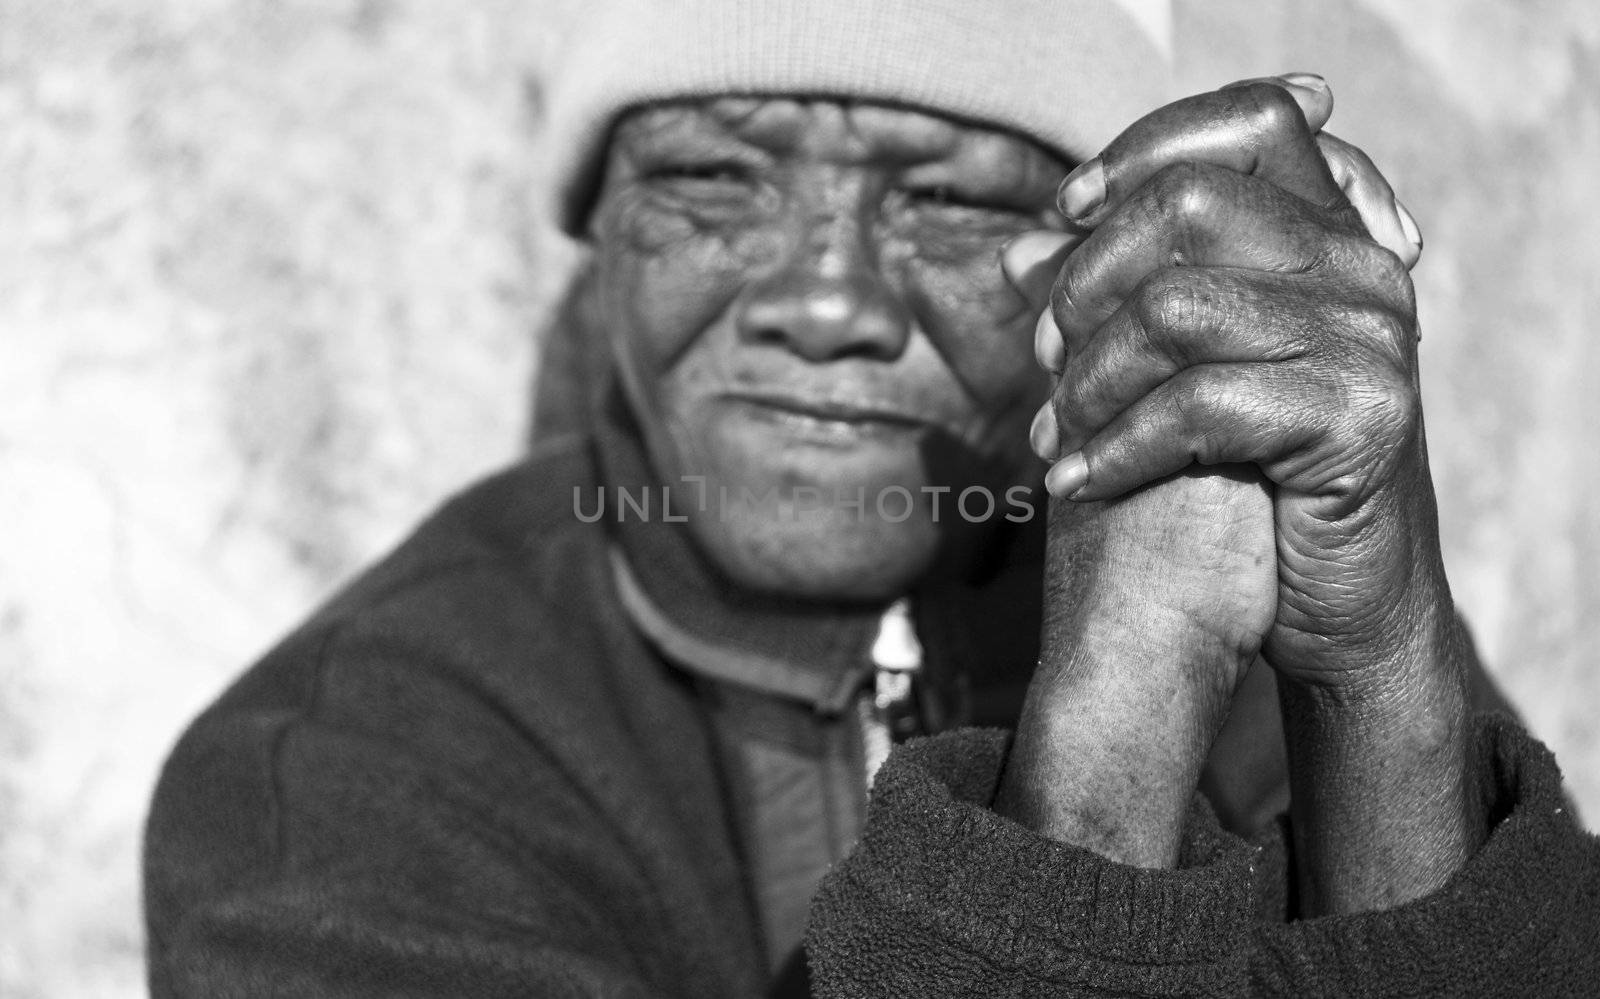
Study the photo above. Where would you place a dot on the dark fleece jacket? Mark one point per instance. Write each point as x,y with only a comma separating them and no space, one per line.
469,775
945,898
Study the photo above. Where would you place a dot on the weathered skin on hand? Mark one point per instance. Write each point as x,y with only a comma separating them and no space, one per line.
1219,316
1231,308
1156,603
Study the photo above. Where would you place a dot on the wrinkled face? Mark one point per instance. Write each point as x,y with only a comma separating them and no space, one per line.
805,304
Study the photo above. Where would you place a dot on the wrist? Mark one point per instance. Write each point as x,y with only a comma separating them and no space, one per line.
1404,688
1383,796
1177,575
1116,730
1155,606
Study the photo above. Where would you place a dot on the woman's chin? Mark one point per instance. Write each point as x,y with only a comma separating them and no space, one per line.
828,555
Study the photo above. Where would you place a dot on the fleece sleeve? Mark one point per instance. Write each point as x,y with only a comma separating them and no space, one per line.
944,897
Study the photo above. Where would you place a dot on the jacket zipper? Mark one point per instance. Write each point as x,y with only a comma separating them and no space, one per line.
889,709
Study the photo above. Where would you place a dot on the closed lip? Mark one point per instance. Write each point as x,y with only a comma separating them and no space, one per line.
838,410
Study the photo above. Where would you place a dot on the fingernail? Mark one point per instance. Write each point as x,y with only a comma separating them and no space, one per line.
1310,81
1083,191
1023,253
1408,224
1049,349
1043,435
1067,476
1311,94
1030,261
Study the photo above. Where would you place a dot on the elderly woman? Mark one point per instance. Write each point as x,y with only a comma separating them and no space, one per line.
603,725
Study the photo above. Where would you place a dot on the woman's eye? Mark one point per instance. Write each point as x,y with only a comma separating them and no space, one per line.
708,188
937,195
703,173
944,196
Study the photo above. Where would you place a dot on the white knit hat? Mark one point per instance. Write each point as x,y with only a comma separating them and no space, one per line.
1068,73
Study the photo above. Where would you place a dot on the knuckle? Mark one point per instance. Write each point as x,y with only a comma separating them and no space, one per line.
1076,404
1367,272
1174,306
1194,400
1180,192
1068,291
1346,219
1078,382
1268,109
1383,326
1062,404
1207,447
1211,411
1321,253
1392,278
1390,409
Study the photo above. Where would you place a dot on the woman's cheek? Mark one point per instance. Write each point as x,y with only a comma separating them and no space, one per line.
677,289
982,327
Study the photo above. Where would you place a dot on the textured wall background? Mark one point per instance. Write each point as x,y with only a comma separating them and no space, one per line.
268,276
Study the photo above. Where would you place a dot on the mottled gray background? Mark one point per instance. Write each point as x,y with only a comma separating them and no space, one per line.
269,271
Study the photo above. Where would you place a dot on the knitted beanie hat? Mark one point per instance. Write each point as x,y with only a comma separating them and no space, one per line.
1069,74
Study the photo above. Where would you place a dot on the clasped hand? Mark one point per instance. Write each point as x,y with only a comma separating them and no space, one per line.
1238,458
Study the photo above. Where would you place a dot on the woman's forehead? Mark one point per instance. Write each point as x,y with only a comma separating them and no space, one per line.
835,129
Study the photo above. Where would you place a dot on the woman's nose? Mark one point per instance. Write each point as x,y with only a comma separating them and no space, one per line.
827,302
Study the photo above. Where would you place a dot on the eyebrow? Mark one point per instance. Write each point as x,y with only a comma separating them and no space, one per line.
864,131
754,129
683,129
779,125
